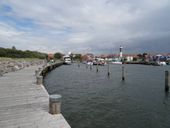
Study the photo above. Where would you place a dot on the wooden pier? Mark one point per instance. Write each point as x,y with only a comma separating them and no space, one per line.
23,104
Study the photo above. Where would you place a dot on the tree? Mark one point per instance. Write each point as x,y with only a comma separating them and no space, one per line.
14,53
77,57
58,55
3,52
13,48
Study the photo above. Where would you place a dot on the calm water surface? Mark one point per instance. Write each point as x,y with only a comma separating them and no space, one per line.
93,100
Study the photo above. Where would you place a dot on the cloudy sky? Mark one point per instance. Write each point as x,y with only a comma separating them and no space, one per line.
98,26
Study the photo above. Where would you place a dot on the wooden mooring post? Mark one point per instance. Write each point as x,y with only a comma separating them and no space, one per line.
167,80
108,69
55,104
97,67
86,66
123,73
90,66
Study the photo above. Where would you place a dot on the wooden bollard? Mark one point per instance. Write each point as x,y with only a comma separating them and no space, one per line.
54,104
39,80
167,79
123,73
36,72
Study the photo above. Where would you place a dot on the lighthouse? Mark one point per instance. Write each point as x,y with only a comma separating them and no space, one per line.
120,54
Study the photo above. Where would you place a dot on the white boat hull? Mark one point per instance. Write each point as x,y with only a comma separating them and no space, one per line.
116,62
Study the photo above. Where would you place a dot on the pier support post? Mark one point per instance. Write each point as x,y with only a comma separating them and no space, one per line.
167,79
54,104
39,80
123,73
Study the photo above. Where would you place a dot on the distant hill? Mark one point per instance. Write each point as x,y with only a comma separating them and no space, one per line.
14,53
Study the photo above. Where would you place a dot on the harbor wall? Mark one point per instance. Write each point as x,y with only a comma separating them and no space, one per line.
49,68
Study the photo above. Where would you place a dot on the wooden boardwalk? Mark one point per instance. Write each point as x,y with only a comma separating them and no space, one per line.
23,104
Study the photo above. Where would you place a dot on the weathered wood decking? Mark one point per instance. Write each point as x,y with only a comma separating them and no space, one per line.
23,104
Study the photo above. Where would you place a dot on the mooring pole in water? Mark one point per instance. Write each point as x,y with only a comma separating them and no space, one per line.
97,67
108,69
167,79
55,104
123,73
78,64
90,66
86,66
39,80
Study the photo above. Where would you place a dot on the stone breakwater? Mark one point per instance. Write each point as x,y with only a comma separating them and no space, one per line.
12,65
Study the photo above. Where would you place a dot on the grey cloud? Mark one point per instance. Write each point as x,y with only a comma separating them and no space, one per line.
93,26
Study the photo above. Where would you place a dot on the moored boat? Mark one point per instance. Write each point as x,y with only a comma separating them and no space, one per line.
117,62
67,60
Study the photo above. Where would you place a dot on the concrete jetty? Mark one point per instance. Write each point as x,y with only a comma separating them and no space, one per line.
23,104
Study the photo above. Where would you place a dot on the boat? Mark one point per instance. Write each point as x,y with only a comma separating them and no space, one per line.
89,63
161,63
101,63
117,62
67,60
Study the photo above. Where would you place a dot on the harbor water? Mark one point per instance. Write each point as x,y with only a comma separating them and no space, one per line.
91,99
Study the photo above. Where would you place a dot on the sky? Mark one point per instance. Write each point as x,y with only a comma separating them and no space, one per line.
86,26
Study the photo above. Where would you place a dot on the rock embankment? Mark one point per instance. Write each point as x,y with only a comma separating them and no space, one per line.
12,65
